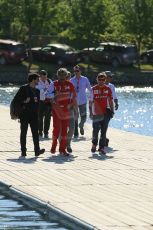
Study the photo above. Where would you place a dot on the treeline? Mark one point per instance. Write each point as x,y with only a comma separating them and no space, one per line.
81,23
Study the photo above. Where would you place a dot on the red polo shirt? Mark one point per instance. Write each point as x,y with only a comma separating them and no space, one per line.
64,96
102,96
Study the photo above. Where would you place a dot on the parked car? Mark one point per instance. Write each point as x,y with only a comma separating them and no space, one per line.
86,52
12,52
115,54
147,56
57,53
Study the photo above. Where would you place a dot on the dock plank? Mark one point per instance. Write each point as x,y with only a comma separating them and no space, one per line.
111,193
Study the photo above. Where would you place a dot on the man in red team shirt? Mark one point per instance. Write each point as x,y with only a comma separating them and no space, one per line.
100,103
63,100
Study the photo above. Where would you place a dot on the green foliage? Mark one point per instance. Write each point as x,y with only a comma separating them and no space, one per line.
88,20
137,18
81,23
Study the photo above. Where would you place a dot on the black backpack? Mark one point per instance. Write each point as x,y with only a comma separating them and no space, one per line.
15,109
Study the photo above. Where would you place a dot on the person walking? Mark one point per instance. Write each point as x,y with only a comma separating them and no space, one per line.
63,100
81,84
73,116
109,77
44,104
101,99
28,96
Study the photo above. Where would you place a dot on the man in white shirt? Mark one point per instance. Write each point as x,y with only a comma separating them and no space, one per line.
44,105
112,87
81,84
115,99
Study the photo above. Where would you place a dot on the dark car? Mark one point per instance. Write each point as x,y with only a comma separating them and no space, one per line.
11,52
57,53
86,52
147,56
115,54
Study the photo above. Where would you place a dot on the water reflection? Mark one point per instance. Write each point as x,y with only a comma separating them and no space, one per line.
135,111
14,216
7,93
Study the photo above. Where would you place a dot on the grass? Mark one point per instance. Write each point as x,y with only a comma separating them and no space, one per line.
89,69
146,67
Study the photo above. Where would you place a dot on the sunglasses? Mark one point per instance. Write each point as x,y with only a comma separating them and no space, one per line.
62,75
101,79
76,70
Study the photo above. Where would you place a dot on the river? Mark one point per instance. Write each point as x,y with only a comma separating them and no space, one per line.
15,216
135,113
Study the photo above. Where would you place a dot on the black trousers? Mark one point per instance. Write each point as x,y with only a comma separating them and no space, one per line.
44,117
100,125
33,122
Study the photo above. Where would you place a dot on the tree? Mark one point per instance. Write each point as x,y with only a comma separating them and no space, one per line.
34,16
137,18
7,14
88,20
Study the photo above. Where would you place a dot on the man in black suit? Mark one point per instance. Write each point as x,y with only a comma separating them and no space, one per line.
28,96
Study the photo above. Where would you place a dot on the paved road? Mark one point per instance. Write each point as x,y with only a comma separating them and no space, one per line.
110,193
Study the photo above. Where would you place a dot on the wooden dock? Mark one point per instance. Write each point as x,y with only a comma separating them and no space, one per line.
109,193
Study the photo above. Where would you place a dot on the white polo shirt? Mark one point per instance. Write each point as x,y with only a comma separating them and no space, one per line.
112,87
43,87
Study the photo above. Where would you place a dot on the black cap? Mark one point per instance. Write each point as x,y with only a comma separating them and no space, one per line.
109,73
43,72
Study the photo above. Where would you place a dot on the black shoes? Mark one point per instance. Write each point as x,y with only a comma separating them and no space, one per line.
102,152
93,149
82,131
23,154
69,149
46,136
39,152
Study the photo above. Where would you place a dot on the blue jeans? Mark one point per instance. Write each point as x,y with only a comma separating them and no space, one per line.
71,127
83,117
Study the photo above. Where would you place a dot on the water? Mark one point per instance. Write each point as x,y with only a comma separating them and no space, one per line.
135,113
15,216
7,93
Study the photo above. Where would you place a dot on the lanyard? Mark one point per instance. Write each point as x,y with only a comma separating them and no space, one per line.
78,82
